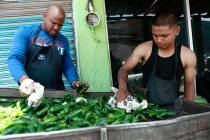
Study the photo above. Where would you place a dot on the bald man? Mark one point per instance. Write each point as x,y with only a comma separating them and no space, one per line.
40,53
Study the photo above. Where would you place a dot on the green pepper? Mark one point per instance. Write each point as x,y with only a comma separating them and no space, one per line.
153,114
30,128
112,117
53,128
88,108
49,124
101,122
27,109
19,122
6,100
116,121
75,113
84,124
56,108
22,103
168,114
72,115
128,118
42,112
34,121
140,117
68,97
14,129
88,115
52,118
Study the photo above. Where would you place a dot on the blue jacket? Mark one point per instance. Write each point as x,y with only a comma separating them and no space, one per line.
21,41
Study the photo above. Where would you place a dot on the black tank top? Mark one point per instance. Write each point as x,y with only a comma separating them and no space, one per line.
165,66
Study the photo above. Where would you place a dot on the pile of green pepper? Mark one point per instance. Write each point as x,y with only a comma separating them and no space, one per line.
65,113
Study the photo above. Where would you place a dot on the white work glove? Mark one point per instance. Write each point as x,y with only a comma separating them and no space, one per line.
25,88
36,96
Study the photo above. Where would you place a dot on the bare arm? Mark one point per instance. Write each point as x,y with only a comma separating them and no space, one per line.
130,63
137,56
189,61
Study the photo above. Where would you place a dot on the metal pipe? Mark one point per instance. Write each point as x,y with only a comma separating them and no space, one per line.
135,76
189,29
188,23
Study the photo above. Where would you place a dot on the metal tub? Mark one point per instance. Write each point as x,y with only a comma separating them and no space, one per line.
192,123
93,133
190,127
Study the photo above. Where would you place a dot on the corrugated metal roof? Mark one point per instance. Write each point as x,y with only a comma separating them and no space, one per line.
136,7
19,12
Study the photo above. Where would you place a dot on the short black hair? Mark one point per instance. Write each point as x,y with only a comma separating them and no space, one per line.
165,18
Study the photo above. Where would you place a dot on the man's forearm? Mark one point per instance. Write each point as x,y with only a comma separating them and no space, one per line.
189,91
122,78
70,74
190,94
23,78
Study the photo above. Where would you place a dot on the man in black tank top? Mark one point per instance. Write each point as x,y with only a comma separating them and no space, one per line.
164,62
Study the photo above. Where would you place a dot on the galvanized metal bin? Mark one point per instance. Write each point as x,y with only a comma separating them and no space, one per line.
190,127
192,123
93,133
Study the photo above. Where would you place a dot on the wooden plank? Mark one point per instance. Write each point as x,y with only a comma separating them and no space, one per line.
14,93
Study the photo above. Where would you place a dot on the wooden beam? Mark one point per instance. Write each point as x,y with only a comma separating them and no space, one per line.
14,93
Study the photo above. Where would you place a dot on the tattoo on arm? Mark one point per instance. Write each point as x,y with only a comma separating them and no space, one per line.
122,78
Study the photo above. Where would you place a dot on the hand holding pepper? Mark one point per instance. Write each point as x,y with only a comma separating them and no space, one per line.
80,86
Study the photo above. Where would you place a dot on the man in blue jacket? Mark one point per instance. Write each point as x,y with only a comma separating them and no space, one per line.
40,53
